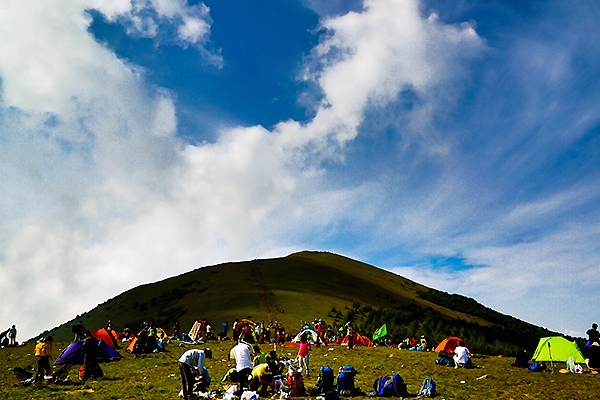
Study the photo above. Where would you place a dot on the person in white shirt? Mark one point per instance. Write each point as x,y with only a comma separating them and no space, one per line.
243,362
461,355
190,366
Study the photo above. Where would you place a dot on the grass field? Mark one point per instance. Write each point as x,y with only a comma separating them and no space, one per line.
156,376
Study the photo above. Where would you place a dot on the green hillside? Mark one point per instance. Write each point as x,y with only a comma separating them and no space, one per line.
302,286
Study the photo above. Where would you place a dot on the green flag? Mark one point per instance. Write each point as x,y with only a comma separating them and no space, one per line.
380,332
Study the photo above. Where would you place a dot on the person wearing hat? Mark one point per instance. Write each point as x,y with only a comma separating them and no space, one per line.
42,357
191,364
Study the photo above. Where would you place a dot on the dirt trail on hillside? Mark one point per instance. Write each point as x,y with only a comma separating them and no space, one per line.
267,304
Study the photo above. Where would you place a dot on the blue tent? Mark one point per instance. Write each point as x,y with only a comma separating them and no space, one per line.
74,354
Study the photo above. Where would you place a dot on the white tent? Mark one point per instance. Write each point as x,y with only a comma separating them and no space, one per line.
312,336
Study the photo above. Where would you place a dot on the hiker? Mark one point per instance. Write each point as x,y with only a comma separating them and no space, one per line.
262,377
461,355
592,356
273,358
224,329
303,353
593,335
280,333
243,364
79,331
259,356
236,331
260,332
42,356
176,330
350,333
423,343
191,364
90,358
12,335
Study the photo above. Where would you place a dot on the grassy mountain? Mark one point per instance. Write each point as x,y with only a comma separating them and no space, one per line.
304,286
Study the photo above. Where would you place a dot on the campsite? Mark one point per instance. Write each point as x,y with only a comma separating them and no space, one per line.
334,287
155,376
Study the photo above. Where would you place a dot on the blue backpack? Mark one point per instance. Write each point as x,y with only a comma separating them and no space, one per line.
389,386
345,379
427,388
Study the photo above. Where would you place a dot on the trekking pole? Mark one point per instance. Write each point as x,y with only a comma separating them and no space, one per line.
550,354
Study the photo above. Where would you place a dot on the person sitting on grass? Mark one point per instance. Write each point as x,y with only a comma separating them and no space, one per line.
461,355
259,356
262,377
592,359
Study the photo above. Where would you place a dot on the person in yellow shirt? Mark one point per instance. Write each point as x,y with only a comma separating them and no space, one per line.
42,356
262,377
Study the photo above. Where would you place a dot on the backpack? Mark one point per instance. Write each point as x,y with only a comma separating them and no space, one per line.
535,367
444,362
295,385
345,379
427,388
387,386
325,382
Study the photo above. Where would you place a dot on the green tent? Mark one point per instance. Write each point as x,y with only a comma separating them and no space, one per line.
557,348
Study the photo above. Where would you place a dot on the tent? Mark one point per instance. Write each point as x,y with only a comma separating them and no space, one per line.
112,337
311,335
358,340
196,332
449,344
557,348
74,354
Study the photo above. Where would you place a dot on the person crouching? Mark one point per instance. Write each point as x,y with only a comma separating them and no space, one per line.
190,365
262,377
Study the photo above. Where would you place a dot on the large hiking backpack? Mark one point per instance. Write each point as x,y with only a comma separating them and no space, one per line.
295,384
345,382
389,386
345,379
325,382
427,388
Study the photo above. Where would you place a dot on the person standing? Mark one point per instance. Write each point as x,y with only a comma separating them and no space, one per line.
90,360
79,331
42,355
593,335
243,362
191,364
303,353
12,335
176,330
350,334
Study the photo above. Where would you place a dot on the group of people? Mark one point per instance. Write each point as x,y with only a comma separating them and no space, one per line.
9,337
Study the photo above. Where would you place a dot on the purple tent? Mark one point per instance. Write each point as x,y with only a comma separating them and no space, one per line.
74,354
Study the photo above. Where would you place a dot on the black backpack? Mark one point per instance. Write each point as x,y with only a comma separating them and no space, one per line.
325,382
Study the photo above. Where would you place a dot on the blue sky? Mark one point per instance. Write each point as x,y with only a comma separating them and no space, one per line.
454,143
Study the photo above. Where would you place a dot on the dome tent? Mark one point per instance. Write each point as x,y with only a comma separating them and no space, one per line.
557,348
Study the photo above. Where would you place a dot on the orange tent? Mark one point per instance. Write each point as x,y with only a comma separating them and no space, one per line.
358,340
111,338
449,344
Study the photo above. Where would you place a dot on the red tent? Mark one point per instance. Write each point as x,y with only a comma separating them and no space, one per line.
449,344
358,340
111,338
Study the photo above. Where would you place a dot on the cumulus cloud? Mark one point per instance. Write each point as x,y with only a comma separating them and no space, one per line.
102,189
